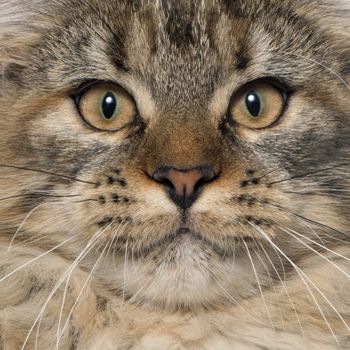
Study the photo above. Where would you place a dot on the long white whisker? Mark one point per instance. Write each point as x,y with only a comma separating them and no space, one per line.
294,233
61,310
225,292
56,287
22,223
323,66
259,285
311,229
318,236
72,266
83,287
35,259
125,268
272,284
301,274
76,262
283,284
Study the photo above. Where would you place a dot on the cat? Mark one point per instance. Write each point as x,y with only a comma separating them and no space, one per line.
174,174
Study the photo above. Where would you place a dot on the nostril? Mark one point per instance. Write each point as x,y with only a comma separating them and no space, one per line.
184,185
164,181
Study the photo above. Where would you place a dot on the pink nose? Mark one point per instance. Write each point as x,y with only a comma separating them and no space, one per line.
183,186
184,182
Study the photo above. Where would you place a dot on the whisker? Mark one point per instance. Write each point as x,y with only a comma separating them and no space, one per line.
61,310
36,258
286,210
48,173
284,287
269,172
323,66
306,174
271,283
93,239
29,241
302,275
293,233
234,301
22,223
84,286
38,194
318,193
125,268
92,242
60,334
259,285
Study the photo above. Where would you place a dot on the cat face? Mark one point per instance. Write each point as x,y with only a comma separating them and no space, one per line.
189,146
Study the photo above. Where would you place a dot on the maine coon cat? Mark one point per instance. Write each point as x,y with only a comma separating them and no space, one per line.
174,174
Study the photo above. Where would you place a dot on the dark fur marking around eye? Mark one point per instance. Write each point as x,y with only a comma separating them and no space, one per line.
242,59
250,172
117,50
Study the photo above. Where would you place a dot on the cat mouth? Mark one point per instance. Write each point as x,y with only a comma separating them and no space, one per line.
184,236
184,230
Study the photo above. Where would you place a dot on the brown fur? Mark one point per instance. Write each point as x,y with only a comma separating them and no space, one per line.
90,251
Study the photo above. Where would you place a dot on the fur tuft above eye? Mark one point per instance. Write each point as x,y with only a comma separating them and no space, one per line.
106,107
258,104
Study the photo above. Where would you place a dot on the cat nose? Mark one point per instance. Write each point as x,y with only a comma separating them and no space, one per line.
184,185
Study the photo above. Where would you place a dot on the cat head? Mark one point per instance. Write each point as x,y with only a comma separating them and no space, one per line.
184,142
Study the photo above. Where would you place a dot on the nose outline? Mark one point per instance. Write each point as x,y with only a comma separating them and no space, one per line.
184,185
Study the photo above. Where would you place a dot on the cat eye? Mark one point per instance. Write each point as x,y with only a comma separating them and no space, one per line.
106,106
258,104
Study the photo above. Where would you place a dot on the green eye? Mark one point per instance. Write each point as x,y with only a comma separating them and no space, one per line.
107,107
257,105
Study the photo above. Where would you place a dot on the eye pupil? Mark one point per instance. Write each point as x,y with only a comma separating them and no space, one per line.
109,105
253,104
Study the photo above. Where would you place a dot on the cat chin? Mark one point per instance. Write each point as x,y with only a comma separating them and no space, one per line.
184,275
